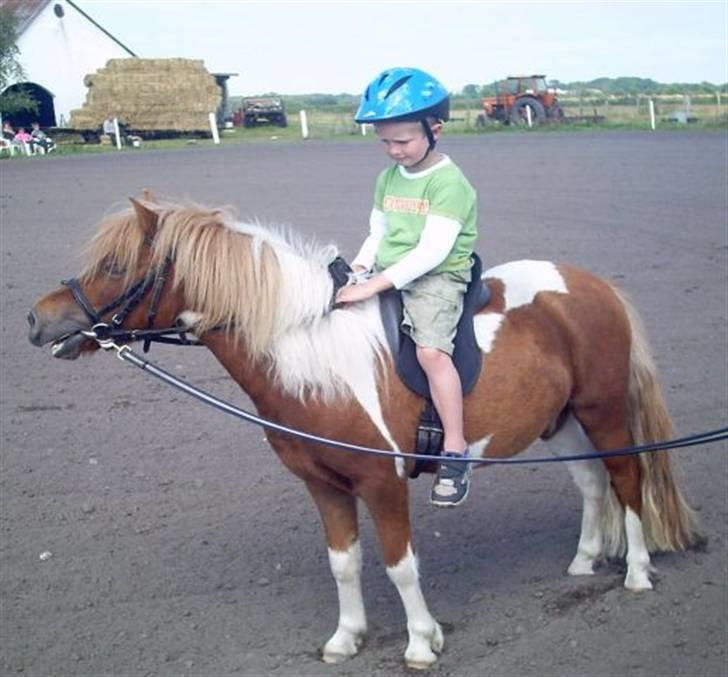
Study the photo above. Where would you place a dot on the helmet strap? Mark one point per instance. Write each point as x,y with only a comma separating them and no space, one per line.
429,135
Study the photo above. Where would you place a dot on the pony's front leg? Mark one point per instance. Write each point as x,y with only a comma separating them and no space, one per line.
388,505
338,512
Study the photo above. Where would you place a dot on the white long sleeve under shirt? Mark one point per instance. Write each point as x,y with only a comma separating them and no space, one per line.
436,241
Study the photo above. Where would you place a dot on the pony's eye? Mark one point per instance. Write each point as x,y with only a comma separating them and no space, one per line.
113,269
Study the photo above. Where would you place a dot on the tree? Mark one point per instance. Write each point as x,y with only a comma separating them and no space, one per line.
471,91
10,69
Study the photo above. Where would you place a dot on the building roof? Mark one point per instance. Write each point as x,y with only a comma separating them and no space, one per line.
26,11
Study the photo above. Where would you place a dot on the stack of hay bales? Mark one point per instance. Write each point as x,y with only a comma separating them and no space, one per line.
150,94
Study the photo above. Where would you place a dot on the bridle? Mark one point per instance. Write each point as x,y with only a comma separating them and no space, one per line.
126,302
154,281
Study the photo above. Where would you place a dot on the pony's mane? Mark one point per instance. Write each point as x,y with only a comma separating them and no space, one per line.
264,283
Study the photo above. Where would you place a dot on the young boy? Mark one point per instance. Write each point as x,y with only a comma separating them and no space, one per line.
422,232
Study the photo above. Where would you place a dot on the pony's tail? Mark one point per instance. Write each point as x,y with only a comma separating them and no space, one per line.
668,521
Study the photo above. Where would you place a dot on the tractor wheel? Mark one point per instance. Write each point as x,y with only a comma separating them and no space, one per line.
519,116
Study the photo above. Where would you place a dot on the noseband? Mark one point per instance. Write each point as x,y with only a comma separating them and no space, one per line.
126,302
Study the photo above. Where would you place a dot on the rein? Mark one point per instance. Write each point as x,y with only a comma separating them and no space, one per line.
106,335
126,354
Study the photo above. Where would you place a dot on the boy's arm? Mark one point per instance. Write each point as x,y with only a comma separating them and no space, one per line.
364,260
436,242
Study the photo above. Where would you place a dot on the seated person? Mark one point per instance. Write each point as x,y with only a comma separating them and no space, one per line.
41,139
8,132
24,138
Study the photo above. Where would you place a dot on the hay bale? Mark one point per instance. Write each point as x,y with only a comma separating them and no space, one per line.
150,94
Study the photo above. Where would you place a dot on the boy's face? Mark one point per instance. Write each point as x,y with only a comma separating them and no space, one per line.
406,142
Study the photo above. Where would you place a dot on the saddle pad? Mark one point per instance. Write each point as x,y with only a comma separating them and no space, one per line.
467,356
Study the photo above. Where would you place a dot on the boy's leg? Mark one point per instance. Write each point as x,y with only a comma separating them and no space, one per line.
432,308
453,475
447,395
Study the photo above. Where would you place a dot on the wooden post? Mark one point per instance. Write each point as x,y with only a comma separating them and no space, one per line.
116,133
304,124
213,129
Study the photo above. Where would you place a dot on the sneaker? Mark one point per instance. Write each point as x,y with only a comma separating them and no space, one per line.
452,482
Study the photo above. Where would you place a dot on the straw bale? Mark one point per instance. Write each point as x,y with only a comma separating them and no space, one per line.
148,94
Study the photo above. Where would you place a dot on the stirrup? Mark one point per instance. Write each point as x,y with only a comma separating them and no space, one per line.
452,482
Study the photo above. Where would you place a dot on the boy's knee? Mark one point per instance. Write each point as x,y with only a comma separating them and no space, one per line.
431,357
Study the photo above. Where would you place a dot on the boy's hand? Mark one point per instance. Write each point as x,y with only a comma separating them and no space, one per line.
354,293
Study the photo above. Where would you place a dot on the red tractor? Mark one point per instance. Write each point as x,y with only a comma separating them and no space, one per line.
518,98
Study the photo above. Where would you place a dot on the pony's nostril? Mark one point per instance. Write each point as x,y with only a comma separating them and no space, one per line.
31,318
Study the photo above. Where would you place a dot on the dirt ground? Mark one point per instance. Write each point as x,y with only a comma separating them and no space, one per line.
178,545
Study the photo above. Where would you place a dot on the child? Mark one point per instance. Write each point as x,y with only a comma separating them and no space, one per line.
422,232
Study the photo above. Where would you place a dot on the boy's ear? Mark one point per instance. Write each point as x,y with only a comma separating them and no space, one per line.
436,128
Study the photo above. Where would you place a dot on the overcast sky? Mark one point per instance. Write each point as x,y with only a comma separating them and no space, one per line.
300,47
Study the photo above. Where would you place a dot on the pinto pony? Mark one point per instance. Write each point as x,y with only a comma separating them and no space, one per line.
565,356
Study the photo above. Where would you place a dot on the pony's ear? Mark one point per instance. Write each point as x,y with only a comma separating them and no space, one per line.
148,196
146,217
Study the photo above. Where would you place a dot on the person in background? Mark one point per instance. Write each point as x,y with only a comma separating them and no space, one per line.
41,139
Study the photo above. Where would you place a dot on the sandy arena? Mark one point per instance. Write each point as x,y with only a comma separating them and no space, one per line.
175,543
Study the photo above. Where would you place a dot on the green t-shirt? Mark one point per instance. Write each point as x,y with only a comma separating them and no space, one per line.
408,200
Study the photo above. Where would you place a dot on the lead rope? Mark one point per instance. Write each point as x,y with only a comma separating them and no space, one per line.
126,354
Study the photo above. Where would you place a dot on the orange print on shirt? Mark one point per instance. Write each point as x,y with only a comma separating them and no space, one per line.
406,205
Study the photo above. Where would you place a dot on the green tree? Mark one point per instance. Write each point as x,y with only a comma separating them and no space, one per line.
10,70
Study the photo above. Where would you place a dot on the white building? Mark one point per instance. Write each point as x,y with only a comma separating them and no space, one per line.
59,45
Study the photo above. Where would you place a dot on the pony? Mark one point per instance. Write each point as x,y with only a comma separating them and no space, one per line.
565,357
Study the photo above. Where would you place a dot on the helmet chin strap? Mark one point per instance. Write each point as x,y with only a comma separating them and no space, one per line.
430,140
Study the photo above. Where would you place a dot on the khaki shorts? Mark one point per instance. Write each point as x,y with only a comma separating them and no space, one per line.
433,305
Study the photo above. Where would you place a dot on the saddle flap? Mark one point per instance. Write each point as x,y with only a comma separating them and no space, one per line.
467,355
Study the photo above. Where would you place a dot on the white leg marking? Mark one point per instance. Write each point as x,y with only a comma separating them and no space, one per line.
477,449
425,635
346,641
593,481
638,557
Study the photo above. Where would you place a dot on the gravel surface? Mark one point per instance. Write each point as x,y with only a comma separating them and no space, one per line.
145,534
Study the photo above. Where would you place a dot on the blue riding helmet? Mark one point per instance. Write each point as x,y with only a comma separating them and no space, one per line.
399,94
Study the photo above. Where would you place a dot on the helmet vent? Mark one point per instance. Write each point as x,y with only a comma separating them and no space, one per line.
397,85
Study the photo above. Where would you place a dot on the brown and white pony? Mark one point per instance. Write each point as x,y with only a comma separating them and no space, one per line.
565,355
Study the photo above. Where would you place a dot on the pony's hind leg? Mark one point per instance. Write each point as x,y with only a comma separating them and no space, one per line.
593,482
625,476
338,512
389,507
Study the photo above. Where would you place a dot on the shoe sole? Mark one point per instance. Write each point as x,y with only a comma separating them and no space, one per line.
450,504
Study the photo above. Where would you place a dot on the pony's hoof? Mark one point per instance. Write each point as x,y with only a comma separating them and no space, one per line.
342,646
423,657
580,566
421,663
637,581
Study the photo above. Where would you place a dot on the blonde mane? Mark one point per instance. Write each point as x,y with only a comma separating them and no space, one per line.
270,288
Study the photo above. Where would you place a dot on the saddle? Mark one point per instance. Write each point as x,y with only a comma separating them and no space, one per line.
467,356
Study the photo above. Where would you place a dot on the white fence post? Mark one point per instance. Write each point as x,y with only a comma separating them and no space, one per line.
304,124
652,114
213,128
364,127
528,116
116,133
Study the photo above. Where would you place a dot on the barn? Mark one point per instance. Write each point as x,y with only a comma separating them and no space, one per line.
59,44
